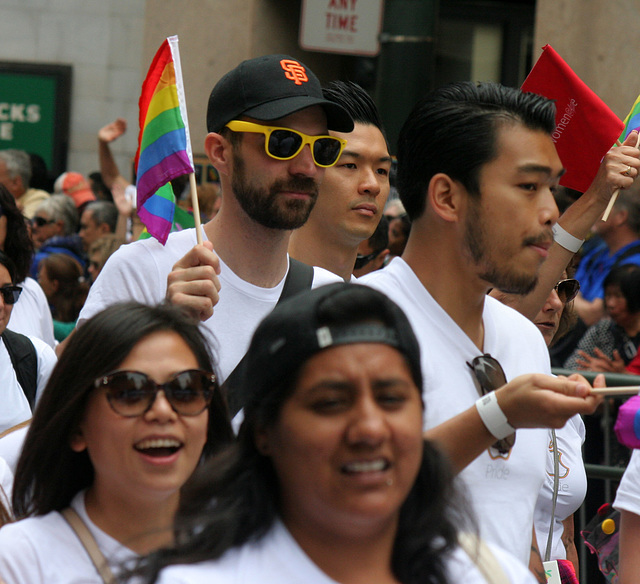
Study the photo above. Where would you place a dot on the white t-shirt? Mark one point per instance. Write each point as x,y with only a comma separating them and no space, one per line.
628,493
45,550
503,490
139,270
572,486
277,558
11,446
31,315
15,407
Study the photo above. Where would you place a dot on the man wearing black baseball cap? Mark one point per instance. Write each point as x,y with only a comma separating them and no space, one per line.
268,139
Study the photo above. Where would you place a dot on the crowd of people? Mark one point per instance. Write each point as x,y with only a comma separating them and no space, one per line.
348,380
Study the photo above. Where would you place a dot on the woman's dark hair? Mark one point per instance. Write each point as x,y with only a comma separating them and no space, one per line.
454,130
569,316
17,245
49,472
234,498
7,262
67,301
627,278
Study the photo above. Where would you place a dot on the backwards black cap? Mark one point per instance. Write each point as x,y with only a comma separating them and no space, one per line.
296,330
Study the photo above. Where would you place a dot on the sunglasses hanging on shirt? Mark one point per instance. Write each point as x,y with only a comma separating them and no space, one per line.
490,376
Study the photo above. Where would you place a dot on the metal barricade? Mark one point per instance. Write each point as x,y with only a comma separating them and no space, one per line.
602,477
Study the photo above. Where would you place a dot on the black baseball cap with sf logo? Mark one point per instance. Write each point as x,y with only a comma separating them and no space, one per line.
267,88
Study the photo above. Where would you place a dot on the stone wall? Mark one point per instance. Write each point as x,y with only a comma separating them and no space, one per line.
102,41
599,41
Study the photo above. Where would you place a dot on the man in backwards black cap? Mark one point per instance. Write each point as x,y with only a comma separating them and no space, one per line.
268,138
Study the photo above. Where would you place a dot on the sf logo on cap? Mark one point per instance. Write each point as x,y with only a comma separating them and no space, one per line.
294,71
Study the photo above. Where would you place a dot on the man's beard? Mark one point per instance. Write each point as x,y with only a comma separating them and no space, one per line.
497,276
262,205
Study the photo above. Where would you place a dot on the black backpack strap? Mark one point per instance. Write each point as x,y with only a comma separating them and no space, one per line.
299,278
25,363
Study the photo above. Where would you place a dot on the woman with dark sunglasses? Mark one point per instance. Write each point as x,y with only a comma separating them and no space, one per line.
130,411
559,500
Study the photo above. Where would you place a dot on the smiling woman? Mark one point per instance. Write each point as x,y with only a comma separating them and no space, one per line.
331,479
129,412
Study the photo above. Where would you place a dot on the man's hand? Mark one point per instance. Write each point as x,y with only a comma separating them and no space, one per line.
529,401
600,362
193,282
112,131
543,401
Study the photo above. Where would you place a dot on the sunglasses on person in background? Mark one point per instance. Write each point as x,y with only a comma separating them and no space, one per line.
132,393
41,221
285,143
490,376
363,260
567,289
10,293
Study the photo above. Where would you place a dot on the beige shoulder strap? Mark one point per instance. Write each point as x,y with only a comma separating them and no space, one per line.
13,429
483,557
89,543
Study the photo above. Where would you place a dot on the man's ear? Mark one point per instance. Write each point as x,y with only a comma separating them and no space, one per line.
219,151
444,196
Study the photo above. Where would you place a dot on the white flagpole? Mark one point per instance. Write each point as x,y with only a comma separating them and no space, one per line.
175,52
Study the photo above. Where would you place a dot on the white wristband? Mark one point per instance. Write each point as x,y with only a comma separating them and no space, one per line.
493,417
564,239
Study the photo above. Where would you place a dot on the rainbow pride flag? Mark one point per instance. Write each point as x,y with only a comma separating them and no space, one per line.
182,219
164,146
632,121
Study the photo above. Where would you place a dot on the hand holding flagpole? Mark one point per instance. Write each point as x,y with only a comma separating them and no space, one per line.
631,123
612,200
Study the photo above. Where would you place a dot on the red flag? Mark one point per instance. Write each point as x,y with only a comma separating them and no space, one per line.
585,127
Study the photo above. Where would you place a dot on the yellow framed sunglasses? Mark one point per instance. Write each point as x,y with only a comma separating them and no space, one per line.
285,143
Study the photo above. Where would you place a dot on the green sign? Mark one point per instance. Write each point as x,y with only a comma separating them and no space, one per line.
34,111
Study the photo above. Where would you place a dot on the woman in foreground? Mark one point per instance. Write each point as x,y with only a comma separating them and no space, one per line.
129,411
331,480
